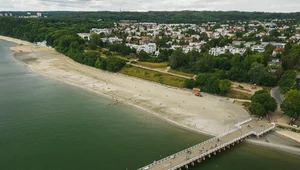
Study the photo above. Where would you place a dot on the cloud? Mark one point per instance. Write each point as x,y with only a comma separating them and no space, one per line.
151,5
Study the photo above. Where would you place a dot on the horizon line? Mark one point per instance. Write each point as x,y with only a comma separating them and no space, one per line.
152,11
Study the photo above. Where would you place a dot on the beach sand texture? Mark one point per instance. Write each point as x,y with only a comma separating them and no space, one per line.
209,114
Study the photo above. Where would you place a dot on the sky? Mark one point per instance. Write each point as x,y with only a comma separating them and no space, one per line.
151,5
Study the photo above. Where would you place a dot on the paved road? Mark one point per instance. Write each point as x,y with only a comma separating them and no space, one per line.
206,147
275,93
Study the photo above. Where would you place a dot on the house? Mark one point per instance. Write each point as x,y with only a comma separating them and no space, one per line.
99,31
275,62
148,48
39,14
112,40
237,43
188,39
249,44
217,51
274,65
276,51
85,36
259,48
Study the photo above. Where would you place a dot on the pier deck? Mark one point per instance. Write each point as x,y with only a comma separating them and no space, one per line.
206,149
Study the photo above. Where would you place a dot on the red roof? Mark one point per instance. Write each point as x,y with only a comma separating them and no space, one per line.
188,38
277,49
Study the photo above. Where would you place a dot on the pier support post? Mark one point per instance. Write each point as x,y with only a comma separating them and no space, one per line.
219,150
232,144
193,164
186,167
224,148
215,153
228,146
209,155
204,158
257,136
199,160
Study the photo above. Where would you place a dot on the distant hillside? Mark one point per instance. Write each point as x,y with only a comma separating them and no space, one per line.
170,17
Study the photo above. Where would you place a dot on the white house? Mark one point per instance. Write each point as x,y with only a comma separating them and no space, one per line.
85,36
259,48
112,40
99,31
148,48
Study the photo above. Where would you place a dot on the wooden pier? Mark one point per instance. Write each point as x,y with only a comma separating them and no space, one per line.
206,149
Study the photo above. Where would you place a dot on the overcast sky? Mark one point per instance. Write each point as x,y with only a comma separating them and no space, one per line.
151,5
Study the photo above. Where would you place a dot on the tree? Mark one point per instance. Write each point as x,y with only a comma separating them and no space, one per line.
225,86
239,34
178,59
263,98
256,73
287,81
291,104
257,109
143,56
114,64
189,83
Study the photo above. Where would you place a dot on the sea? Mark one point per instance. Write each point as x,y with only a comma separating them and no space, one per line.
48,125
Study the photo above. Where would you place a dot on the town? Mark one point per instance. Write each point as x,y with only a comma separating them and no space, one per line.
161,90
229,37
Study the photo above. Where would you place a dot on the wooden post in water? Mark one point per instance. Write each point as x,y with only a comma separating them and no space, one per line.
215,153
186,167
193,164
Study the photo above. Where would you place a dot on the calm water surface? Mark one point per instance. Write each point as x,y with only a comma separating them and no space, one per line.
48,125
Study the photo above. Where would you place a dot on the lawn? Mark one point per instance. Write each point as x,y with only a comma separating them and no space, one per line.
153,76
238,95
181,73
153,65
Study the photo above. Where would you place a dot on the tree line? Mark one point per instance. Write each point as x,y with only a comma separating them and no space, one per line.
61,35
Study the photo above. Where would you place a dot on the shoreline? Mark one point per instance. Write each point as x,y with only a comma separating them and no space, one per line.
47,56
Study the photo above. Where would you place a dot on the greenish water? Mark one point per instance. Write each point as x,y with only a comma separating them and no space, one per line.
48,125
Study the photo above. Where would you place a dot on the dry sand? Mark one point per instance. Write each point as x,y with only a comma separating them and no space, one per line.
209,114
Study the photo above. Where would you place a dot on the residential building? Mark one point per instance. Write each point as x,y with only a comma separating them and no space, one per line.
105,31
259,48
85,36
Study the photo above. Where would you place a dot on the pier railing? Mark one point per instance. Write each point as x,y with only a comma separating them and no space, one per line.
238,127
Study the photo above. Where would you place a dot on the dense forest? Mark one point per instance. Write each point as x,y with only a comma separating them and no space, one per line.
62,35
170,17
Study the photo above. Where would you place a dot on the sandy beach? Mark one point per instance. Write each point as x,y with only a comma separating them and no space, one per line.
209,114
212,115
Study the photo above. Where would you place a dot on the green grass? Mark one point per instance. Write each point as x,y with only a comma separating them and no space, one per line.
238,95
153,76
181,73
153,65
